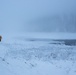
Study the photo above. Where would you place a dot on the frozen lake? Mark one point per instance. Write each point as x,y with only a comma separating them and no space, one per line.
38,54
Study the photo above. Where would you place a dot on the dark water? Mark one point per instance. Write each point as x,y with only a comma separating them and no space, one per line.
71,42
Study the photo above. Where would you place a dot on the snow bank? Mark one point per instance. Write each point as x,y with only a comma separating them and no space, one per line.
37,54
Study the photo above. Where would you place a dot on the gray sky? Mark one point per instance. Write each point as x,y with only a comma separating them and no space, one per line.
14,14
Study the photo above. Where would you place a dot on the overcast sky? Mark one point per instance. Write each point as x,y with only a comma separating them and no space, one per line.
15,13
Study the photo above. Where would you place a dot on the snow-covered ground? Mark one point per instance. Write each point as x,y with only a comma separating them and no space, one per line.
38,54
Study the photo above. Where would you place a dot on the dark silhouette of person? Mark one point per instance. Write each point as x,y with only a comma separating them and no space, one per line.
0,38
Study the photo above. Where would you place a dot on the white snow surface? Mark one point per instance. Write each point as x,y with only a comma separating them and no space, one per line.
37,54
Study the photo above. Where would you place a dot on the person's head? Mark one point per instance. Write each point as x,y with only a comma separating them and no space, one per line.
0,37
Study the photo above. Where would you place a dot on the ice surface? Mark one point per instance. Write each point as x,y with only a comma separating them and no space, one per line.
38,54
